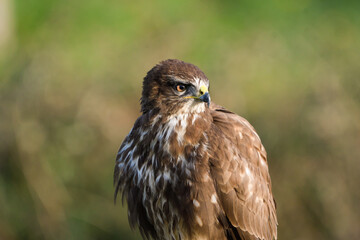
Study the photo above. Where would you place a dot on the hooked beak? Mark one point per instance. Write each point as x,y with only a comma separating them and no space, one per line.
205,98
203,95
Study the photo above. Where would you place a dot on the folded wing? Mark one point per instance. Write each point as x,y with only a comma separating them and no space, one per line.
240,172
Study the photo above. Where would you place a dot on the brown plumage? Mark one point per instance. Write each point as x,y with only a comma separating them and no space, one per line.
190,169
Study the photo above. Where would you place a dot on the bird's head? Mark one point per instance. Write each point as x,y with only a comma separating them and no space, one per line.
174,86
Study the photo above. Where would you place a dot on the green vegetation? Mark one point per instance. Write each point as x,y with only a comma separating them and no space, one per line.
70,83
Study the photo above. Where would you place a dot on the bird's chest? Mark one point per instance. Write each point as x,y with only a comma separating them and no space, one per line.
166,202
168,177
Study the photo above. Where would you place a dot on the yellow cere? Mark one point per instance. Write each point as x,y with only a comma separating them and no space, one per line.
203,90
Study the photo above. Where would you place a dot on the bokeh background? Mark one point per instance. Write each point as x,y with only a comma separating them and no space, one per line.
70,83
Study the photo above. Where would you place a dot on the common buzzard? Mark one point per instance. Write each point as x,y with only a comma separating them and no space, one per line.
190,169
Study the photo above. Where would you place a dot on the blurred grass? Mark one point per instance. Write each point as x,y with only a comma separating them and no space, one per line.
70,83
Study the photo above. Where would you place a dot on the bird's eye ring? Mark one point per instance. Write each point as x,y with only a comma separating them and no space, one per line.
180,87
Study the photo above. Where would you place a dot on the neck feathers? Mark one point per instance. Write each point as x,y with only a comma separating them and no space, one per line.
178,133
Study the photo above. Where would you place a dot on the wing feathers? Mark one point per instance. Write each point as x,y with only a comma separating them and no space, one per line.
239,168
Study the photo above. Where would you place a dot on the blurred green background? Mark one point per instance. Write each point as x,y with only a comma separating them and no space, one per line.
70,82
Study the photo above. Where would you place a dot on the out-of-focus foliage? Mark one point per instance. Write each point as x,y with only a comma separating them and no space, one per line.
70,83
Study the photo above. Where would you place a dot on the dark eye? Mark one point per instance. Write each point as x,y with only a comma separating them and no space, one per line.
180,87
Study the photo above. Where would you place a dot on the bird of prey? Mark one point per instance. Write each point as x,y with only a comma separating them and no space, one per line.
190,169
